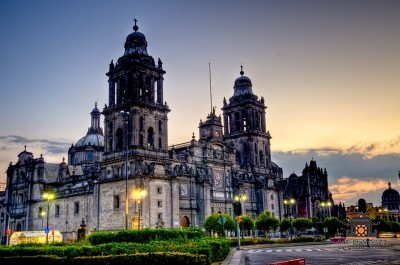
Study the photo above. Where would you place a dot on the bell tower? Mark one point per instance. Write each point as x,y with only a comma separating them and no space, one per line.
136,114
244,126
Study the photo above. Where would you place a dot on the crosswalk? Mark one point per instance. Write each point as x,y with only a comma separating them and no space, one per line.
278,250
366,262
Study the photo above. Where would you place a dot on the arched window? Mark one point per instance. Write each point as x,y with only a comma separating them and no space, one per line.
122,89
261,158
244,116
150,136
159,143
141,140
237,121
245,153
148,89
110,145
141,123
160,126
119,135
110,128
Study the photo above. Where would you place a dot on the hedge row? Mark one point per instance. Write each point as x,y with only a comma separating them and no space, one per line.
212,249
32,260
140,258
145,235
257,241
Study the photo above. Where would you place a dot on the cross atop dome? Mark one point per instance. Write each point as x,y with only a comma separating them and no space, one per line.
135,27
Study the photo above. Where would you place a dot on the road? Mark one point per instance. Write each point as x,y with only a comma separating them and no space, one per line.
324,254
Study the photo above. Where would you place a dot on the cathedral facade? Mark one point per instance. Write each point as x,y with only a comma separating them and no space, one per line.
129,178
309,193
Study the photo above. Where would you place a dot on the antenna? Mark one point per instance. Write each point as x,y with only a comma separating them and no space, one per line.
209,70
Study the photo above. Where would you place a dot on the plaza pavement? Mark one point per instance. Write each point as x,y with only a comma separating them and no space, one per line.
237,257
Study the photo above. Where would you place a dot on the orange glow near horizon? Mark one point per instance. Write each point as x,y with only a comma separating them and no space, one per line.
349,188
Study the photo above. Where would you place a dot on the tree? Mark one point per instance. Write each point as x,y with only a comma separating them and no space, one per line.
301,224
382,225
247,223
333,224
395,227
212,224
286,225
362,205
267,222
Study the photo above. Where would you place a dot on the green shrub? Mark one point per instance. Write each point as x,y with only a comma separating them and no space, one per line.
303,239
257,241
32,260
145,235
219,248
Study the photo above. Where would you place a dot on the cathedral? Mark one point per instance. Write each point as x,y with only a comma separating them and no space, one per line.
127,177
308,195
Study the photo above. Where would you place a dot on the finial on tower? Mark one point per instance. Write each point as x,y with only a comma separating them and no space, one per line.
135,27
25,148
241,70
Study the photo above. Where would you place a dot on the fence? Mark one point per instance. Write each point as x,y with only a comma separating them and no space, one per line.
362,244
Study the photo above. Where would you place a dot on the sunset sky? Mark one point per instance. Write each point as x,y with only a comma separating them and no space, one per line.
329,72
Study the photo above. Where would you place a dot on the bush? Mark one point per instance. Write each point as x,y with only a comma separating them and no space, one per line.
212,249
257,241
32,260
219,248
301,239
145,235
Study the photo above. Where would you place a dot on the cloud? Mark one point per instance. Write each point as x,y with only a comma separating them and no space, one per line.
347,189
48,146
53,150
351,173
370,150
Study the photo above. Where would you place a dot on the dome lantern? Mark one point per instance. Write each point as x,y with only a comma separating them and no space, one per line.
135,42
243,85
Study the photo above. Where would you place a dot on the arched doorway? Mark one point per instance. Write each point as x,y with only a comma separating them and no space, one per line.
185,222
19,227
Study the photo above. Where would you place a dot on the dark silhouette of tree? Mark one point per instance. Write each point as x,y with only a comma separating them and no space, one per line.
362,205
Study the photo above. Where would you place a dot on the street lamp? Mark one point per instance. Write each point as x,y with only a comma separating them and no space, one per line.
8,232
384,210
138,195
328,205
126,114
239,198
289,203
48,196
42,214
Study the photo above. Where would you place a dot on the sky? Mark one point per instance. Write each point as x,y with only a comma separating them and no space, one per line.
329,72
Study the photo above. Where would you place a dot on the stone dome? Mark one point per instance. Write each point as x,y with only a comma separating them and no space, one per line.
91,139
94,135
390,195
391,199
135,42
243,85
